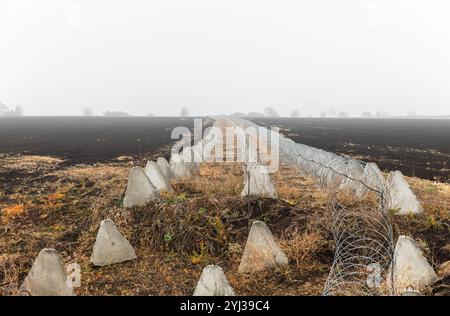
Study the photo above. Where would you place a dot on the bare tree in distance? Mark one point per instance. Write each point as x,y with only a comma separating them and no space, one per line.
295,113
382,114
18,111
88,112
343,114
184,111
333,112
271,112
323,114
4,111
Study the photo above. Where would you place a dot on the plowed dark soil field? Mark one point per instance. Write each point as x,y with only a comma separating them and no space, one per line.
419,148
87,139
59,177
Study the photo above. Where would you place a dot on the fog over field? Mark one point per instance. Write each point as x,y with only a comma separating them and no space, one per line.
266,150
60,57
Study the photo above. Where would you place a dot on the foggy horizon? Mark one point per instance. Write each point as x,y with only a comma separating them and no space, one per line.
225,156
61,57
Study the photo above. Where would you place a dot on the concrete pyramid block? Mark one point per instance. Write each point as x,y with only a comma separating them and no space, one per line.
257,181
139,189
178,168
261,250
47,276
410,268
399,195
165,167
410,292
110,246
213,282
353,171
197,152
372,178
188,155
157,177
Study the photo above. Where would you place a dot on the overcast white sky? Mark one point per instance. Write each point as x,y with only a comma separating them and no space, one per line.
58,56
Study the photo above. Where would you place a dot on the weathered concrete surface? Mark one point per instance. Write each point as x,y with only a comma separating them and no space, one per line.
399,195
110,246
178,168
410,268
197,152
261,183
373,180
157,178
165,167
261,250
410,292
353,171
187,155
374,176
139,189
213,282
47,276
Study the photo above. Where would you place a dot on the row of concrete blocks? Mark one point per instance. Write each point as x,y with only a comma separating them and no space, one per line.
410,269
328,169
342,173
47,276
146,184
346,174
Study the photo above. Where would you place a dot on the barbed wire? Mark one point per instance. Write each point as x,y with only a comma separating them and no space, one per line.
361,225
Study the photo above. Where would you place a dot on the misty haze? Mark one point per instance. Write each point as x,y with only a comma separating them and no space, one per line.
225,148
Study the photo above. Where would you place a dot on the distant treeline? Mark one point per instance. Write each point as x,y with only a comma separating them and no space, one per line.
5,111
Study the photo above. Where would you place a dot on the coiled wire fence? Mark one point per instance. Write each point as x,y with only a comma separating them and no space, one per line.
361,225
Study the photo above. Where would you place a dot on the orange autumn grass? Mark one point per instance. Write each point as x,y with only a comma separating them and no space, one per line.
12,211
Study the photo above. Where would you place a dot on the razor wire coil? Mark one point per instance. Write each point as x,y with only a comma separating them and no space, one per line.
361,227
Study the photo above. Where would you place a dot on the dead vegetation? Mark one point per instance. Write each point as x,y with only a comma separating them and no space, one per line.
431,228
57,206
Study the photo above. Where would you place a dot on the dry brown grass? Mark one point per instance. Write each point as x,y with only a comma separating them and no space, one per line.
431,229
12,211
303,247
9,276
28,161
435,196
217,179
205,222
